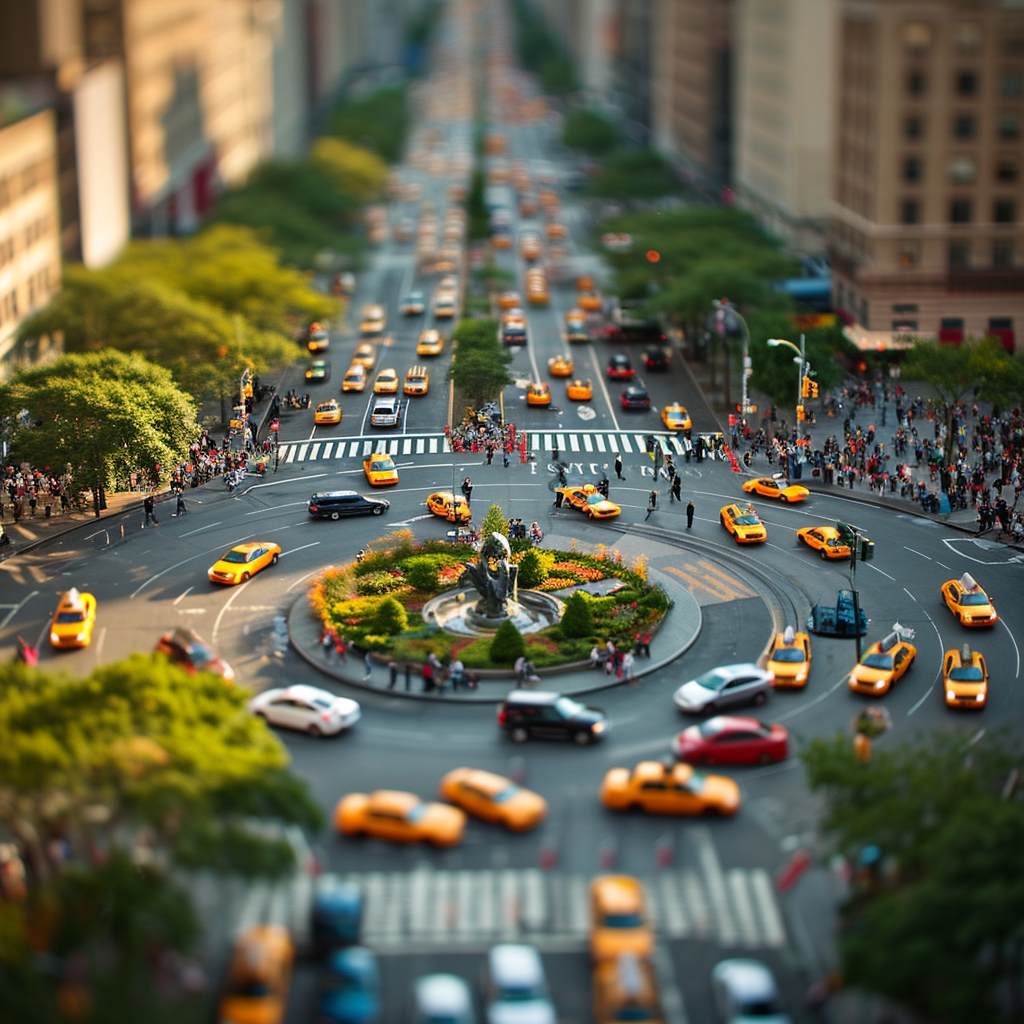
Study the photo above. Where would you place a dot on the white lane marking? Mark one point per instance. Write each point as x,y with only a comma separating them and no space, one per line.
913,552
227,605
184,593
301,579
1016,675
275,508
291,551
604,389
17,608
885,574
815,700
949,542
278,483
152,579
938,675
208,526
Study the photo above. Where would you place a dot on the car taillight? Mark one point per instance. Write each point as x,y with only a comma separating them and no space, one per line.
502,716
314,508
325,716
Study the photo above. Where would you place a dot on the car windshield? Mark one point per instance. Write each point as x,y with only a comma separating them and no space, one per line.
201,655
518,995
595,499
322,702
506,794
713,680
760,1008
789,655
414,379
567,707
236,556
622,921
747,520
382,464
633,1013
974,599
64,618
416,813
712,727
882,661
966,674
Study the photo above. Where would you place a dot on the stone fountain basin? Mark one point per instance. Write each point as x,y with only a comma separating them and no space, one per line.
454,611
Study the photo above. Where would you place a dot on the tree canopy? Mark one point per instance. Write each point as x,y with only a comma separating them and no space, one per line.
352,170
378,121
588,131
479,366
938,925
100,415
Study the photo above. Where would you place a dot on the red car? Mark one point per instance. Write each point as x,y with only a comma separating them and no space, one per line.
186,648
732,739
620,368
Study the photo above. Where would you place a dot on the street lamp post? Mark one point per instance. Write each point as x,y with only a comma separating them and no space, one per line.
801,352
725,309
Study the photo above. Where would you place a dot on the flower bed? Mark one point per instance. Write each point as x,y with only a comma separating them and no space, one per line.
376,603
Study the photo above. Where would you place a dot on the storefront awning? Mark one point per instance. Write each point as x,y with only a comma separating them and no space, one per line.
881,341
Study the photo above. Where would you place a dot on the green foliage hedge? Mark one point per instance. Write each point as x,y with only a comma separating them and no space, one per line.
507,644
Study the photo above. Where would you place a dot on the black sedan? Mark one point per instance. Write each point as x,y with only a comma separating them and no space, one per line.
620,368
636,397
656,357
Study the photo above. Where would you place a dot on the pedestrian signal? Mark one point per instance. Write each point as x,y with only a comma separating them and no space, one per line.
800,414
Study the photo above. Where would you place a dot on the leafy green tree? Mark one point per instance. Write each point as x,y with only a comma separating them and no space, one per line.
351,169
379,121
937,926
507,645
479,226
100,415
476,334
633,173
578,620
390,619
494,522
588,131
981,369
479,376
532,570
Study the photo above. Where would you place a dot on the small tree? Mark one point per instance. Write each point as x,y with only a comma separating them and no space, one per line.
390,618
508,644
494,522
578,620
532,570
588,131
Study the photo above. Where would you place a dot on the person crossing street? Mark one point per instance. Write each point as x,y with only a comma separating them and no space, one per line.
652,504
618,467
689,514
673,491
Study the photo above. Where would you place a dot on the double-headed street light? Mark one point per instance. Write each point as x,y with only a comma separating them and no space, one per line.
801,360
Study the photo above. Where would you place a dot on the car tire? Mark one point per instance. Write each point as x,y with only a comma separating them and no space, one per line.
377,509
765,758
274,558
824,555
519,735
759,698
711,812
783,499
581,738
335,515
246,577
314,730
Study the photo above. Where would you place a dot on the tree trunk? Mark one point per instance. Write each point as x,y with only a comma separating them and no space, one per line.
96,501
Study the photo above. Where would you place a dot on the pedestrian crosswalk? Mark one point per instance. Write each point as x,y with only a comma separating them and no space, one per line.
569,444
734,907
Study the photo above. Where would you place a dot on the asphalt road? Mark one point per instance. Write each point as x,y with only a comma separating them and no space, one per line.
708,879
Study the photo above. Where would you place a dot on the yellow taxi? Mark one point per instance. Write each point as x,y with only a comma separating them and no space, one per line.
548,199
590,500
494,798
658,788
626,989
444,503
538,394
555,230
790,659
743,524
619,922
769,487
509,300
882,665
530,247
380,470
373,320
580,390
386,383
560,366
354,379
327,412
589,301
968,602
576,324
417,381
256,990
528,205
430,344
243,561
585,283
364,355
965,678
826,540
73,620
675,417
399,817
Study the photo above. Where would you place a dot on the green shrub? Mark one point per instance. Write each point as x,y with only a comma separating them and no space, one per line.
477,654
578,620
381,582
532,570
374,642
520,544
374,561
422,571
588,131
655,599
507,645
494,522
390,618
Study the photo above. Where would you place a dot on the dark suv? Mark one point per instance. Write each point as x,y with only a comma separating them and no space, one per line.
336,504
528,713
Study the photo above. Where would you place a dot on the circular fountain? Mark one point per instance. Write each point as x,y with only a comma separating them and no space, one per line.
497,597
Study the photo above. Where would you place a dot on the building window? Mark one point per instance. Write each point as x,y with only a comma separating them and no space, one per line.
905,307
1004,211
967,83
959,255
910,211
951,330
916,83
912,169
913,127
917,37
1002,255
1007,169
904,326
960,211
1011,85
864,312
1009,126
967,37
962,170
964,126
909,254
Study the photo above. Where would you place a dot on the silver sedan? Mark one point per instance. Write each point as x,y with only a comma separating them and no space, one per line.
724,687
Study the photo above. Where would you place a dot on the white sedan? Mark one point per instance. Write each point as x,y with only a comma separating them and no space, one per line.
306,708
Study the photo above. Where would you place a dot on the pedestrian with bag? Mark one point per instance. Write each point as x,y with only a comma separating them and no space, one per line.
652,504
689,514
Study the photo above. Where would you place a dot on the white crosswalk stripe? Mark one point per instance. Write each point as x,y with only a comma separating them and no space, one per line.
407,445
737,907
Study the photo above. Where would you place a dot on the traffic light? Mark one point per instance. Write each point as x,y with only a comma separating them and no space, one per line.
867,549
805,387
812,388
800,414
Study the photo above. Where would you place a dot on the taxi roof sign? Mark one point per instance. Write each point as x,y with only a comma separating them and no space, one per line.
968,582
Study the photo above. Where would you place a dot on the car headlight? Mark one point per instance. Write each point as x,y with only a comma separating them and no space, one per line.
880,685
598,727
950,695
80,637
852,680
979,697
55,638
992,617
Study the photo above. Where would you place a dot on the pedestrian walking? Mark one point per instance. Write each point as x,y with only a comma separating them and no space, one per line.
652,504
32,501
673,491
689,514
180,508
368,665
602,486
408,677
428,677
490,454
559,498
148,504
504,459
618,467
327,643
467,490
392,674
627,666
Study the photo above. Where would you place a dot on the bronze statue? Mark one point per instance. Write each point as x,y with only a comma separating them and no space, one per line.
493,585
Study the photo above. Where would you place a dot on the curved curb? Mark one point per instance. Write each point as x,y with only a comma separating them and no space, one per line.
315,659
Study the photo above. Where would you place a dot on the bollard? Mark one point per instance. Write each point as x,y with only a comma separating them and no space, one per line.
46,512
